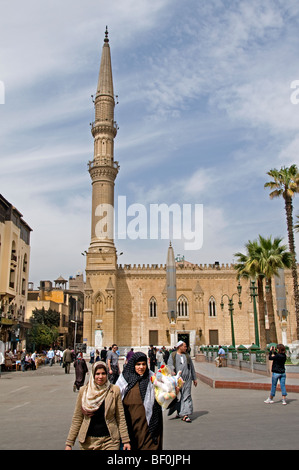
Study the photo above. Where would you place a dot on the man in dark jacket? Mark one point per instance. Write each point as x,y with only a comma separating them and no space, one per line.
104,354
67,359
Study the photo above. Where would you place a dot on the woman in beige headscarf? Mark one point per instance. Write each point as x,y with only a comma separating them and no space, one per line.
99,420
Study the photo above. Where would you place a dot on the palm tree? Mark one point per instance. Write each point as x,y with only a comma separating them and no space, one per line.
273,256
263,259
249,265
296,226
285,183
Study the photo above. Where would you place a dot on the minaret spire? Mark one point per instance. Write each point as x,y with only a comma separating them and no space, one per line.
103,169
105,81
106,35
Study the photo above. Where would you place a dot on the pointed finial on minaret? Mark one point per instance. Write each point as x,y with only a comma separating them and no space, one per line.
106,35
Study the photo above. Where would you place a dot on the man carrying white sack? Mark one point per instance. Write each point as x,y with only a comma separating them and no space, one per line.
180,360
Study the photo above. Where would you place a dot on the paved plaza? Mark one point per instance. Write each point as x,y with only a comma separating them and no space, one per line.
36,408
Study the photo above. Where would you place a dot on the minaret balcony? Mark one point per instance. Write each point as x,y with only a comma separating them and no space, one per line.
104,127
100,172
98,163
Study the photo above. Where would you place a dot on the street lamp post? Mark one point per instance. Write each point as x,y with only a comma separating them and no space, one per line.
76,324
75,335
231,309
253,295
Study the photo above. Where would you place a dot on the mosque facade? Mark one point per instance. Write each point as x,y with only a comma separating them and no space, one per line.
130,304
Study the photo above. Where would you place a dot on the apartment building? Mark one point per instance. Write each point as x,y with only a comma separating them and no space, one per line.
14,271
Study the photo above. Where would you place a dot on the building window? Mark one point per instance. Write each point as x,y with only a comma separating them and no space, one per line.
12,278
13,252
25,264
183,307
212,307
153,308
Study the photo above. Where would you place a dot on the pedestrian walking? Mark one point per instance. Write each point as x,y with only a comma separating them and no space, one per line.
81,370
165,355
159,358
104,354
67,359
180,360
152,358
99,419
23,360
98,356
2,359
92,354
142,411
33,360
129,355
278,372
59,355
50,356
112,363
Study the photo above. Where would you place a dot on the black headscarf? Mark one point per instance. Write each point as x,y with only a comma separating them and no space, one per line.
132,378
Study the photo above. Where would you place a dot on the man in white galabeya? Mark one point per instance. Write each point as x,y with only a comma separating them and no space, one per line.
181,360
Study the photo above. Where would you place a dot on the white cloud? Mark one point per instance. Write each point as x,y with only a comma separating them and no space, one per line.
290,154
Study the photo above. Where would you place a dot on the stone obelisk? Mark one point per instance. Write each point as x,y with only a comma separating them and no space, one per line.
171,285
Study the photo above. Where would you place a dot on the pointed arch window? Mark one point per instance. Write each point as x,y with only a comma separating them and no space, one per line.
153,308
183,310
99,305
212,307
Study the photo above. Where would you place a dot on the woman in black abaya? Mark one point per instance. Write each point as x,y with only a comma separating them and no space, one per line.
143,413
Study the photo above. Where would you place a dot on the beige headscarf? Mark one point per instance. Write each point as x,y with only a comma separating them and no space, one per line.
94,395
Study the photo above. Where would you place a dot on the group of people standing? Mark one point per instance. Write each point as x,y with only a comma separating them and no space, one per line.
118,409
158,356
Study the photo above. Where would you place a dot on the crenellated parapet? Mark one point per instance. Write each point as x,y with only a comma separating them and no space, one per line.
179,267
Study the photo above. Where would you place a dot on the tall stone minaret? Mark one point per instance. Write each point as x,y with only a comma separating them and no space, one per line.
103,169
101,259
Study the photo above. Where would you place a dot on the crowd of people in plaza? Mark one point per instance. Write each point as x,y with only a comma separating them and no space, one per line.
24,360
118,409
137,417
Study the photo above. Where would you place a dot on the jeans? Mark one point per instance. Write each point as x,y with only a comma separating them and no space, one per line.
282,380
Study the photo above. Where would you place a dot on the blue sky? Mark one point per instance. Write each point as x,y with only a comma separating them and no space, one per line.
204,112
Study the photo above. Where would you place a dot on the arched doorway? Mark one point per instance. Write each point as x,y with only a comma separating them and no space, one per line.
184,337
